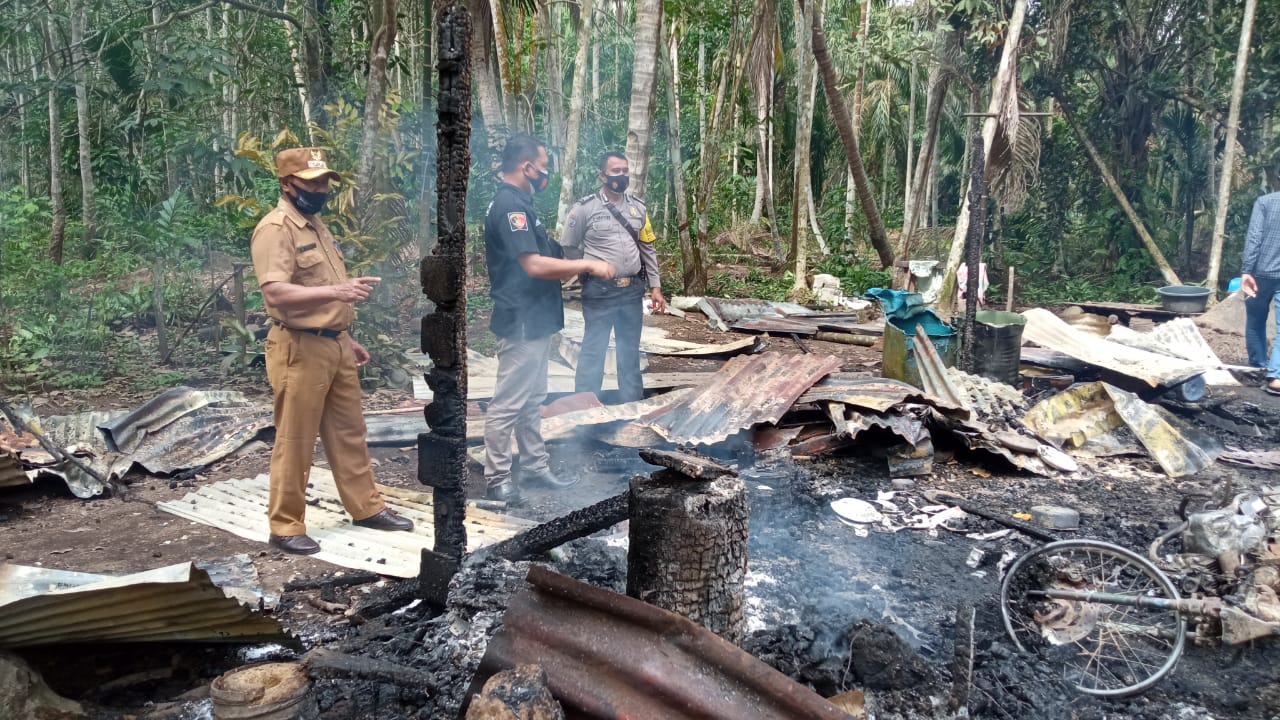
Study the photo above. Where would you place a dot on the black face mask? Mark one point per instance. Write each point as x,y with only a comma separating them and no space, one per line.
617,184
540,181
307,202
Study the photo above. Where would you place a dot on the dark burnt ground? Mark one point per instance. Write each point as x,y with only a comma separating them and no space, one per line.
828,607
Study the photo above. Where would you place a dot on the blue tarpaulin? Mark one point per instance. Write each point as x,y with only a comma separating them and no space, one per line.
906,310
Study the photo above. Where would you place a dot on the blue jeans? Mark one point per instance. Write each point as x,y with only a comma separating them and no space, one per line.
1255,326
608,308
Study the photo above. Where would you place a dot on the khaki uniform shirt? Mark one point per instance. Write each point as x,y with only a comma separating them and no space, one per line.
287,247
592,231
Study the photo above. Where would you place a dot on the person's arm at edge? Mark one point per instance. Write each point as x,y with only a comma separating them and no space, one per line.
289,296
571,240
542,267
1252,248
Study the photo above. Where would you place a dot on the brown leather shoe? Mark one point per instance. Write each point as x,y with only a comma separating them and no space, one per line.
388,519
295,544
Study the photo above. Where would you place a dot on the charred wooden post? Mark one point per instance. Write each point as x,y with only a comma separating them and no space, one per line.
442,451
520,693
973,251
688,551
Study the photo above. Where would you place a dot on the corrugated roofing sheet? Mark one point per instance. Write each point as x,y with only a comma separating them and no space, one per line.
39,606
609,656
240,508
776,325
874,393
1048,330
1179,338
747,390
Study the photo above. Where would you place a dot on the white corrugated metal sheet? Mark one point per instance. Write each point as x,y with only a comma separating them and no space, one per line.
39,606
1048,330
240,508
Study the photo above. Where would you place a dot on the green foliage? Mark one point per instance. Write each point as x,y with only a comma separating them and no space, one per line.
855,278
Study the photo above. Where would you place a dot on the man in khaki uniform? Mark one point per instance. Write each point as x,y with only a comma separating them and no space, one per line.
311,356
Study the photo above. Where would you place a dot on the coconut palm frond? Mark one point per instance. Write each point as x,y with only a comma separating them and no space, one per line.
1015,163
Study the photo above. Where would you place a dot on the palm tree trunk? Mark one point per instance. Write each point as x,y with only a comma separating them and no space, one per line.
643,71
484,83
555,78
692,260
384,37
844,123
57,230
88,192
502,63
1000,86
908,181
1165,269
939,83
801,175
1229,153
569,165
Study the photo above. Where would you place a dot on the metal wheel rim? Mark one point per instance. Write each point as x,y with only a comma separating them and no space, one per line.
1133,559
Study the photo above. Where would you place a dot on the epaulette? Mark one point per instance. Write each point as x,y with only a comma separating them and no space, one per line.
584,199
275,217
635,199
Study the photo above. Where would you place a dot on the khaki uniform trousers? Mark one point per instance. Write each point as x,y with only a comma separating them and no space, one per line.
317,392
516,407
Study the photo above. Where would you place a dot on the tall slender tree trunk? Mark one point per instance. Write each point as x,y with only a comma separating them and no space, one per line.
485,84
555,78
88,192
569,165
851,186
595,70
999,88
380,47
502,63
302,74
1166,270
1229,153
58,209
853,155
801,175
939,83
692,260
761,53
643,72
908,178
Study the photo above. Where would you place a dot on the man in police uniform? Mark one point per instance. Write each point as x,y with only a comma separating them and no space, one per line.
613,226
525,270
311,356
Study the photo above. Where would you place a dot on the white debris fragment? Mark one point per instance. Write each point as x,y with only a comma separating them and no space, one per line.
852,510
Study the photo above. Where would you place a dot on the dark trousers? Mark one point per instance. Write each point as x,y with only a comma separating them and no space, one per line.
1256,310
608,308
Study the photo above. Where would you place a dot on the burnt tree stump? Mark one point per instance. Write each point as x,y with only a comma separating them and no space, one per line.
688,549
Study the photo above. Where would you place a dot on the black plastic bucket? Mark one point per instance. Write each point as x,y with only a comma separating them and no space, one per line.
997,345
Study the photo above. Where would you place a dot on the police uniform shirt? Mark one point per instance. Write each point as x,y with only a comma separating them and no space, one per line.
524,308
592,231
288,247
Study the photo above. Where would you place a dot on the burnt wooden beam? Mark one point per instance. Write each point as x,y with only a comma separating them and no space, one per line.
554,533
688,464
324,663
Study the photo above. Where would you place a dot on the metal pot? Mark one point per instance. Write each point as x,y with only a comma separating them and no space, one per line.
1184,298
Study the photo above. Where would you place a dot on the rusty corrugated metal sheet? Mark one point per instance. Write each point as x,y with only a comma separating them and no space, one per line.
933,372
11,473
747,390
874,393
39,606
609,656
777,325
723,312
1048,330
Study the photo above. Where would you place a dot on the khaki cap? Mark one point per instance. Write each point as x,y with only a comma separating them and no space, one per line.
307,163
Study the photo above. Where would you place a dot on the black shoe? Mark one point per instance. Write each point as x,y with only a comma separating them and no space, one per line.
548,478
504,491
388,519
295,544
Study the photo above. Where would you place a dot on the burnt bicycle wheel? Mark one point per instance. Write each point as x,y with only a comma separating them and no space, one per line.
1102,611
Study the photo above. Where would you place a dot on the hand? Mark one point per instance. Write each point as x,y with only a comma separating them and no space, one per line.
601,269
1249,285
659,302
355,289
362,356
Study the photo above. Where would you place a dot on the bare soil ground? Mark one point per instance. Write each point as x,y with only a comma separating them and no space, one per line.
820,590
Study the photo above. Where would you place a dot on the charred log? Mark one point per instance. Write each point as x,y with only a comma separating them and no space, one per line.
688,549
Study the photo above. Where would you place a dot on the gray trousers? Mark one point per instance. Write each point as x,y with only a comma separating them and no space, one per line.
607,309
516,408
